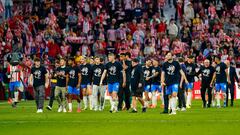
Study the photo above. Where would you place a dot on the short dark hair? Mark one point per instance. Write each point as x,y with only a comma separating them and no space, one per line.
37,59
128,54
180,59
218,57
122,54
101,59
135,60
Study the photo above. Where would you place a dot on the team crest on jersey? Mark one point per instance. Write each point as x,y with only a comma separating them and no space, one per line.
62,72
170,70
189,70
72,74
98,72
146,73
112,70
153,71
132,74
84,71
206,72
37,74
218,70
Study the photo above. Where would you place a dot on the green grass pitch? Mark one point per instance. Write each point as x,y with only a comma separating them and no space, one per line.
24,121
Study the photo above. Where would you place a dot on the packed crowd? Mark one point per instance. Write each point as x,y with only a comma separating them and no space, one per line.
89,28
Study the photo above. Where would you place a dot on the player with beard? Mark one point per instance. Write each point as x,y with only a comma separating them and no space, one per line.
114,72
221,77
86,79
170,78
74,78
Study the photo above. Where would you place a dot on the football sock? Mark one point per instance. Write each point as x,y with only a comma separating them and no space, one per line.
218,100
79,105
154,98
189,97
90,97
111,102
162,99
170,104
174,103
16,96
70,106
85,101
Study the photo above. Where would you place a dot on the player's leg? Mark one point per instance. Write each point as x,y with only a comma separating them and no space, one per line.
218,87
69,98
161,95
203,94
102,97
169,96
134,104
166,100
77,93
85,100
174,98
41,96
16,87
127,96
140,99
64,98
36,97
11,93
110,90
224,88
146,92
95,97
209,96
214,96
154,96
134,99
90,96
189,94
114,96
181,98
120,98
58,98
232,93
52,95
227,93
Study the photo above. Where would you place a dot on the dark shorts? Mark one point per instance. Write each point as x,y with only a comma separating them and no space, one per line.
137,92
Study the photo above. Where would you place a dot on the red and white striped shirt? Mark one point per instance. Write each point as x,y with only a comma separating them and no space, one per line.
14,72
